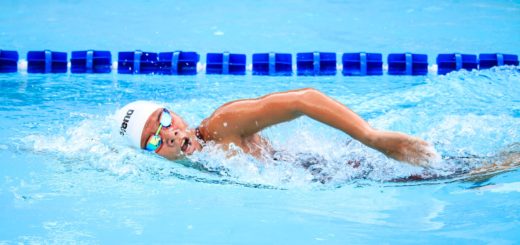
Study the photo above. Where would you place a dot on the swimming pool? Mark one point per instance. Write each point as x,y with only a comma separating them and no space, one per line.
66,179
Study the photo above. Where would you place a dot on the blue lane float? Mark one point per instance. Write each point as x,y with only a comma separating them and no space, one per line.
91,61
226,63
272,64
362,64
8,61
137,62
447,63
46,62
178,63
316,64
487,61
407,64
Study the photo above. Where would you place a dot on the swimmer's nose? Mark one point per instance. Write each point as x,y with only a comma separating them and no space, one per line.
173,137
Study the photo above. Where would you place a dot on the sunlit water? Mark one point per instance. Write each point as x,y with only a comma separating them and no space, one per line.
67,178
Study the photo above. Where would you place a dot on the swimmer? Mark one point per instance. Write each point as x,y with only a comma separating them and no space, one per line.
150,126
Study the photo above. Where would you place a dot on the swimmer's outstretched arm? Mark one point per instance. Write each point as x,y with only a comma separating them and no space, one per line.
243,118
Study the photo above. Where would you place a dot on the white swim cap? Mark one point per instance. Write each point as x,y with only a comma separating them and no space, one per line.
132,118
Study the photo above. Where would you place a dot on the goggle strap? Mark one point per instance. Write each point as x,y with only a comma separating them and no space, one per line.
158,130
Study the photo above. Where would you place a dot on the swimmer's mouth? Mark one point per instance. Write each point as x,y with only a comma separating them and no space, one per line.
185,144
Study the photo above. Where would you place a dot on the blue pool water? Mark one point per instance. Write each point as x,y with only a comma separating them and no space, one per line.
65,178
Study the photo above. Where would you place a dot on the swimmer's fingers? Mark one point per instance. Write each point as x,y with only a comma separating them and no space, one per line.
423,154
405,148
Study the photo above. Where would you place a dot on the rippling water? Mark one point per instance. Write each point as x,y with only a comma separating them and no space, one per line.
464,114
59,155
60,152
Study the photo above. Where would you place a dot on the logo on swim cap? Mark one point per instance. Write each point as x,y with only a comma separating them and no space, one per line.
132,118
124,124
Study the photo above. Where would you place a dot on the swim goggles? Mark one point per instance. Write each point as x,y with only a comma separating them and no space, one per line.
154,142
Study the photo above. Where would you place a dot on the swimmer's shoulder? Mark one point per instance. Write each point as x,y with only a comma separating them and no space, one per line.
214,128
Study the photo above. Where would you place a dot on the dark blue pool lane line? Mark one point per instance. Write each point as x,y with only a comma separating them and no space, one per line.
268,64
226,63
8,61
91,61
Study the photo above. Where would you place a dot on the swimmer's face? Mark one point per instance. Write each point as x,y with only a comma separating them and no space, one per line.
177,140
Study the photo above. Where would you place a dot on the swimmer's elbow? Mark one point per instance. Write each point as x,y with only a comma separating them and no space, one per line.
311,95
310,92
307,98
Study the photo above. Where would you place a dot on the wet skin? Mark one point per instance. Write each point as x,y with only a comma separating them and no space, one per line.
239,122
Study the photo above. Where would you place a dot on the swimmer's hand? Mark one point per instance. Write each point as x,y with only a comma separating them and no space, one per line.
404,148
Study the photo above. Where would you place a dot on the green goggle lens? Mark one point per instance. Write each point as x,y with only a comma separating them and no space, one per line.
154,143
